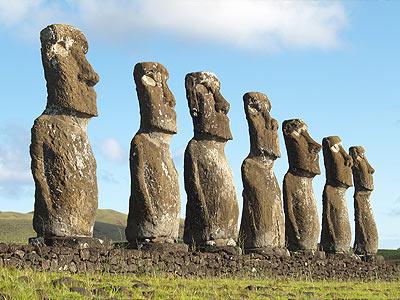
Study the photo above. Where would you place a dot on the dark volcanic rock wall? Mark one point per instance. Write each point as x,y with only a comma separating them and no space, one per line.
194,264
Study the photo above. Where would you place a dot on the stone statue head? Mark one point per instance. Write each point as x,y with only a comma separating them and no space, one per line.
70,78
337,162
263,129
362,170
302,150
157,103
208,107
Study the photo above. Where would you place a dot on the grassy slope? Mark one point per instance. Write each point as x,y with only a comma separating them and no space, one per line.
30,284
392,256
110,224
17,227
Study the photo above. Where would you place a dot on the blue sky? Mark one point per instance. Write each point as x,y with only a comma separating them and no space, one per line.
334,64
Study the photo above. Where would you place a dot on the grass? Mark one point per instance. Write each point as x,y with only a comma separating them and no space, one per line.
33,285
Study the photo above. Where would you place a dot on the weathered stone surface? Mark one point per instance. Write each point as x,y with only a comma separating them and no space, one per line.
366,233
154,204
336,231
262,224
222,263
63,165
165,247
77,242
301,214
212,206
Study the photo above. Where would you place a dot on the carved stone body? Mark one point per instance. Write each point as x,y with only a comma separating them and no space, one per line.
154,204
262,224
336,231
63,165
301,214
212,206
366,233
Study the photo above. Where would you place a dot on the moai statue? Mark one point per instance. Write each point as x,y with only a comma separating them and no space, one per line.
212,207
154,204
336,231
63,165
262,227
366,240
301,215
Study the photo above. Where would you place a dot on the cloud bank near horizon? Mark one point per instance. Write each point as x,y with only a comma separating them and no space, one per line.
15,173
247,24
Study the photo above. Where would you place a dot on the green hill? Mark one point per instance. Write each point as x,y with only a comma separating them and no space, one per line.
17,227
110,224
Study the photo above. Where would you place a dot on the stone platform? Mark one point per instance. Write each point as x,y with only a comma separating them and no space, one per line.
194,264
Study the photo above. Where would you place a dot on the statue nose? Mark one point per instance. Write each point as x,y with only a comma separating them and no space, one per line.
89,76
93,79
314,146
168,96
221,105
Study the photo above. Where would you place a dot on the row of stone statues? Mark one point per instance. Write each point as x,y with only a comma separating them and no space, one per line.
64,168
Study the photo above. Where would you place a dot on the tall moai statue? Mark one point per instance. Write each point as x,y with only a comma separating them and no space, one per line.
336,231
262,225
366,234
301,214
63,165
154,203
212,206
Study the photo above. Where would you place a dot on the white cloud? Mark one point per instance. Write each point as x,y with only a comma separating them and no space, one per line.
15,174
14,155
255,24
178,155
112,150
12,12
27,17
107,176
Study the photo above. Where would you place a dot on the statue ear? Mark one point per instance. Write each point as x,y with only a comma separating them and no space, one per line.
252,111
191,95
356,152
326,143
252,108
287,128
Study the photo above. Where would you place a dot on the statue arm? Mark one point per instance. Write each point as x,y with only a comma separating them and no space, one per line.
288,203
139,186
192,184
42,191
248,202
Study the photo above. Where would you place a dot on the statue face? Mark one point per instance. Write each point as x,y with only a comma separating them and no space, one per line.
70,78
362,170
301,148
157,103
337,162
208,107
263,128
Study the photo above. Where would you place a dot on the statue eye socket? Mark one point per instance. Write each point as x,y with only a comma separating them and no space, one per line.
147,80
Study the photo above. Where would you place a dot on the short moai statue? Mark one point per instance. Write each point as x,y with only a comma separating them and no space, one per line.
262,228
212,206
301,215
154,204
366,234
336,231
63,165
